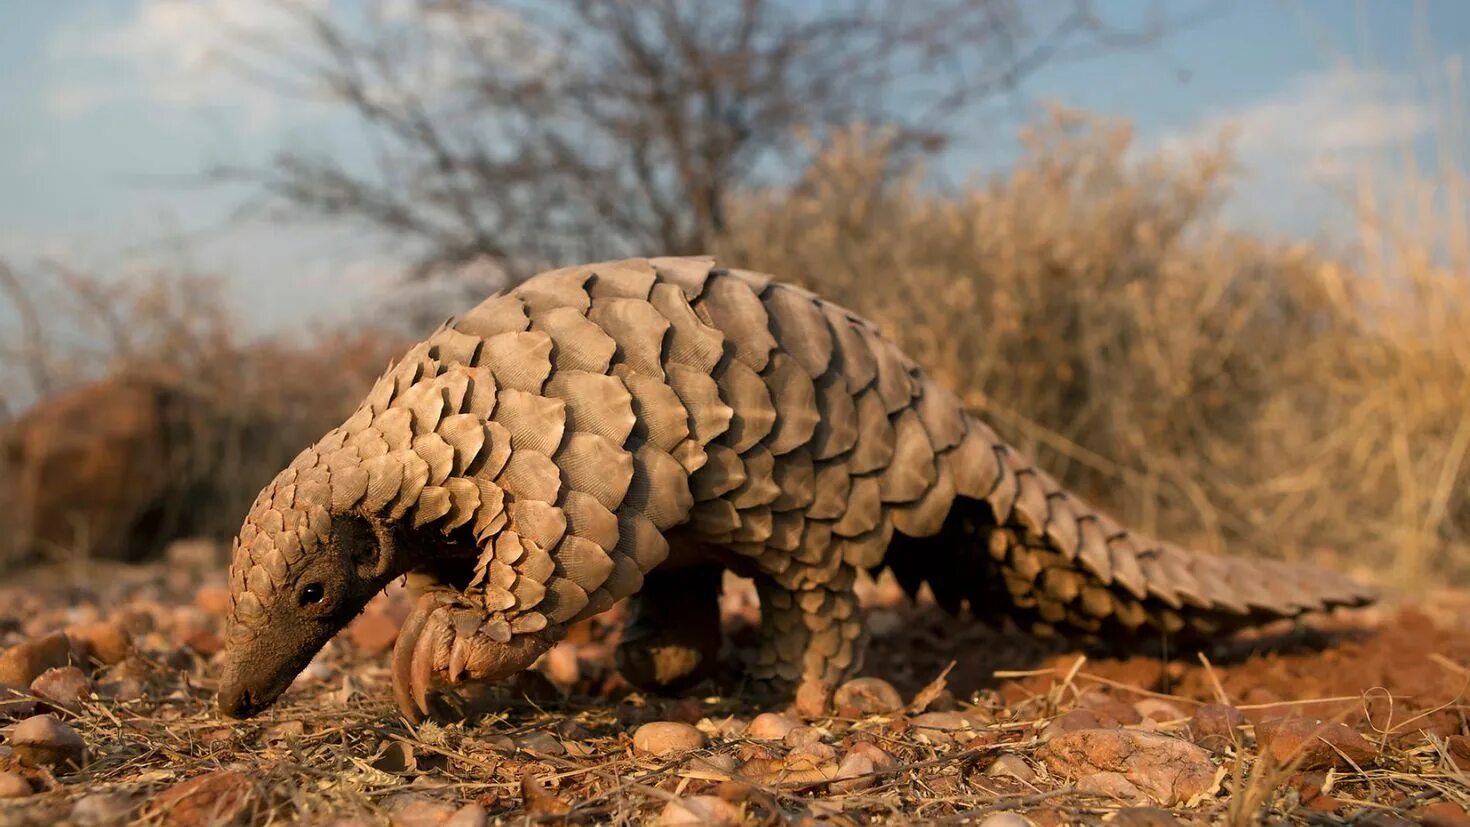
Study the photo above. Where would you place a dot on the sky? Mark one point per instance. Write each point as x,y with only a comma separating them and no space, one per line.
110,109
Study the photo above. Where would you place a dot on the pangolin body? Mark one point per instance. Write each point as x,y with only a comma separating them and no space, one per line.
535,461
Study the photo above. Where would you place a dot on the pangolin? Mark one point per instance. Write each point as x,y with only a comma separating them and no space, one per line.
629,430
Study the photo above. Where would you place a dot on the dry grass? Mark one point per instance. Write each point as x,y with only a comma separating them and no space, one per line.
1199,382
336,748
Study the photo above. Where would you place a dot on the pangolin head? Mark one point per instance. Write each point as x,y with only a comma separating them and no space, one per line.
300,571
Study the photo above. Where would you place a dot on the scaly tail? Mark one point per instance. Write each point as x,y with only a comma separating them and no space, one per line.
1029,548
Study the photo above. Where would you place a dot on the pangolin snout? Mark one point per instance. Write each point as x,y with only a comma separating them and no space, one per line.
237,701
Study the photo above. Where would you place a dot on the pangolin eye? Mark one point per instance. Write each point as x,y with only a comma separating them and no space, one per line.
312,593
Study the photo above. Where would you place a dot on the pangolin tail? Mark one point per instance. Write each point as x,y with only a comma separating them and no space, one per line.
1028,548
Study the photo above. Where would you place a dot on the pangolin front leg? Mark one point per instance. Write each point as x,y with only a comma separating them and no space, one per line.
449,639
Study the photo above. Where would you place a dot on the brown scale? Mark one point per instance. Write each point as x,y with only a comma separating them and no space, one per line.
628,429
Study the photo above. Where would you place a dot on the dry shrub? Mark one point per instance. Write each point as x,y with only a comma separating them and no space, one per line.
152,371
1101,316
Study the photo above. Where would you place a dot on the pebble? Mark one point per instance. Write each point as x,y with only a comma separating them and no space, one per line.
418,810
374,631
880,757
65,687
1216,726
1313,744
15,703
470,815
1007,820
665,737
561,665
107,642
1445,814
940,727
43,741
540,743
1144,817
854,774
703,810
862,697
1166,770
1009,764
14,785
813,699
219,797
103,810
771,726
1160,710
214,600
1077,719
1109,785
24,662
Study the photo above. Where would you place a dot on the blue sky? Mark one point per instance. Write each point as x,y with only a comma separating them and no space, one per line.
109,109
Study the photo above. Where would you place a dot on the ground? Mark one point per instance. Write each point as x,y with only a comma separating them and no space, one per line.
1358,718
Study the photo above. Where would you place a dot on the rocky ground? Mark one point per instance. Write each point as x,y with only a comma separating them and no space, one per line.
106,717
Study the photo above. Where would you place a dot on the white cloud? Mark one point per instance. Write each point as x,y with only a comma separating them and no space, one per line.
1299,148
171,53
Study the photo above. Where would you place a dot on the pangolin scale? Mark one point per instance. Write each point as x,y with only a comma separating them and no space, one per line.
629,429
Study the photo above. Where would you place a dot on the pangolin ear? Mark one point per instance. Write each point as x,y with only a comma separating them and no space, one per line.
374,549
363,545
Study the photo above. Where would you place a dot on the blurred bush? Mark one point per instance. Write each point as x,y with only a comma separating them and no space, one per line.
1200,383
169,422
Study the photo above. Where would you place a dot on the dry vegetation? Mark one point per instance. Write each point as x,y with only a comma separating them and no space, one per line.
1214,387
1207,385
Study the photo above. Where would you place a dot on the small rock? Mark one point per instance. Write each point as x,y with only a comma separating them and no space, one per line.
14,785
417,810
1077,719
1445,814
15,703
222,797
540,743
813,699
803,735
374,631
538,798
1160,710
562,666
1110,711
882,761
1216,726
65,687
103,810
1007,820
664,737
214,600
702,810
814,753
1109,785
771,726
43,741
1009,764
1144,817
862,697
940,727
854,774
1313,744
1167,770
470,815
714,764
107,642
24,662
